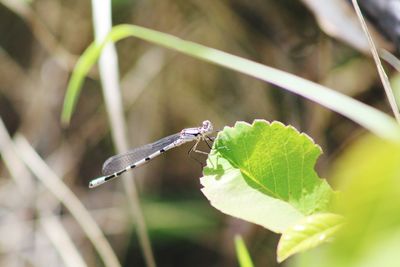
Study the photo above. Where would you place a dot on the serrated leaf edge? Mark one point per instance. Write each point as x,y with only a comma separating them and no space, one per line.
270,124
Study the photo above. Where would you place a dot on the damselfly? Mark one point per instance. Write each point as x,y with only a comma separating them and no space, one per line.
118,164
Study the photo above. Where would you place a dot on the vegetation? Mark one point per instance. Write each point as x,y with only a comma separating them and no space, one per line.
264,175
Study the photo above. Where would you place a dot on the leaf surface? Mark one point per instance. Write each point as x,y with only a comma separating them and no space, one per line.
264,173
308,233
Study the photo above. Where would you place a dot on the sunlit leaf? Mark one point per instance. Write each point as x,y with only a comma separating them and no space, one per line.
264,173
308,233
368,175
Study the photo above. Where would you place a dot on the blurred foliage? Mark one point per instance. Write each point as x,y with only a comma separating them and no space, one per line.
310,232
164,92
368,175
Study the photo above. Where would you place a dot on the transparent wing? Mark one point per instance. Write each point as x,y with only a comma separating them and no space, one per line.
121,161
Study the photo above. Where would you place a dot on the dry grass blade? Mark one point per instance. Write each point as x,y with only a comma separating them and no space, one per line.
390,58
61,241
14,165
381,71
109,75
55,185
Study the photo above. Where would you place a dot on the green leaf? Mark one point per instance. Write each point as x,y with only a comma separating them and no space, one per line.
82,68
310,232
368,175
264,173
369,117
242,253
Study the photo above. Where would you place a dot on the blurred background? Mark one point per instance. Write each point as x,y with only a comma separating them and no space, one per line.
163,92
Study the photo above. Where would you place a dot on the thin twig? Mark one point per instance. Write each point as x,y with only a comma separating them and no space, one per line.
108,66
381,71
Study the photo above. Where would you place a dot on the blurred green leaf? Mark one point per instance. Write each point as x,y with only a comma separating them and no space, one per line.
368,174
310,232
264,173
370,118
83,66
242,253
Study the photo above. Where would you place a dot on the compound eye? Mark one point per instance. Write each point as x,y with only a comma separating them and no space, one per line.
206,124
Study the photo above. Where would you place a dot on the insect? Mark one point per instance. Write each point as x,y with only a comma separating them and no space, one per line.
118,164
